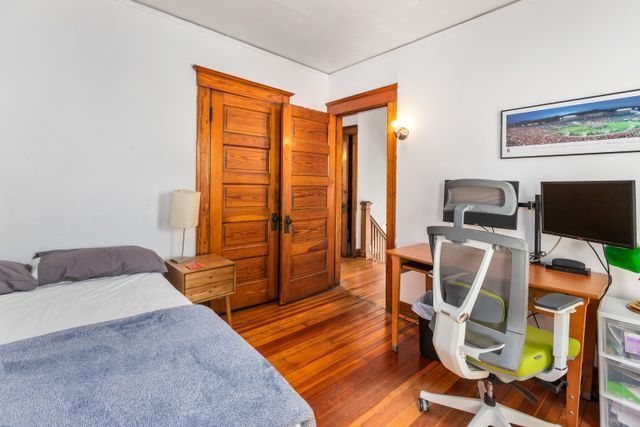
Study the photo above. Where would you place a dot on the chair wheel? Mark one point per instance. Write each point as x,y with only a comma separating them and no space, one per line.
423,405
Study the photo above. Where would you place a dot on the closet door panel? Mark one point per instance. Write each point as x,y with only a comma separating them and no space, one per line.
307,200
246,160
311,197
245,182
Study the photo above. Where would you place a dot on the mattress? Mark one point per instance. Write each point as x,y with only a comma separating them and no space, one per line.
65,305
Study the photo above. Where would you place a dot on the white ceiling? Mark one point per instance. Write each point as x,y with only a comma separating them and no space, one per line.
327,35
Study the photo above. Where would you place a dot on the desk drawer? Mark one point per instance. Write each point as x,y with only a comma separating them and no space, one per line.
201,278
209,291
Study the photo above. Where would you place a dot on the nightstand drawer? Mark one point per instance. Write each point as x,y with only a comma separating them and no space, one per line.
209,291
201,278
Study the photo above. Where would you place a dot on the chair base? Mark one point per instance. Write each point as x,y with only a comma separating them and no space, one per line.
485,414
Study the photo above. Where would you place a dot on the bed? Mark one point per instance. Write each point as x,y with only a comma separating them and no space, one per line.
131,350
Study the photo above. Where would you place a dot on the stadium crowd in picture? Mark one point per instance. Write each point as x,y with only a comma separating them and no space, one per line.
593,121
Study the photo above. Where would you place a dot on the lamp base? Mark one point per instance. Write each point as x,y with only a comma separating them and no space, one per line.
182,259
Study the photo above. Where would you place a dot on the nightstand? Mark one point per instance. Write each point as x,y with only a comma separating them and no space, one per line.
216,279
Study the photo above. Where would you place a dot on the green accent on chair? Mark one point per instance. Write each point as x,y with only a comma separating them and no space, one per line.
627,259
537,354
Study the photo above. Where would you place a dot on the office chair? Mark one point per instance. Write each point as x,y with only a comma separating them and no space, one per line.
480,296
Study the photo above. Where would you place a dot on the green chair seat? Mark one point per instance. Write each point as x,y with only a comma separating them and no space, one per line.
537,355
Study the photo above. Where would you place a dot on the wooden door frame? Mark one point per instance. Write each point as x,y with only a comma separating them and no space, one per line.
353,159
208,80
386,96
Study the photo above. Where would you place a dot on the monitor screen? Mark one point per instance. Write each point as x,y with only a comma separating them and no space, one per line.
595,211
483,219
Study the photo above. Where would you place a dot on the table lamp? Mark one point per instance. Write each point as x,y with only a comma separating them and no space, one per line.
185,207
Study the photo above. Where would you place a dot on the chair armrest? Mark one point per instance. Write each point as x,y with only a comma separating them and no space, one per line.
557,303
561,306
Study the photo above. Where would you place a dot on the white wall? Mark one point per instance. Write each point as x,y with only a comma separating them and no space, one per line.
372,165
98,119
97,111
452,87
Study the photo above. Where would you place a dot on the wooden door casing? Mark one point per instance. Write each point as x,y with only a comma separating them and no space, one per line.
386,96
308,199
245,140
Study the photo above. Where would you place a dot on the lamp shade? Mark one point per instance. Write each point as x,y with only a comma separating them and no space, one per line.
185,206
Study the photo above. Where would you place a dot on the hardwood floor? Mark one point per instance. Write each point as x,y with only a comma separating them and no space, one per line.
364,279
334,349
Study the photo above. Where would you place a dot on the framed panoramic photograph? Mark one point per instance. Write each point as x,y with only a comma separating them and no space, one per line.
600,124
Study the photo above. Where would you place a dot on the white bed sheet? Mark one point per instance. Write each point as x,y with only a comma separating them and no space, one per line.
67,305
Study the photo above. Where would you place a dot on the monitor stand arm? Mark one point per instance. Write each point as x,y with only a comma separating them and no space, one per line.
535,205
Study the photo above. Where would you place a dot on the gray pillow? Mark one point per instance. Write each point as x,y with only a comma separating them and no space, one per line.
15,277
84,264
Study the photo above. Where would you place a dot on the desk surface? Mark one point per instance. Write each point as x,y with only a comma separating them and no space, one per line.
593,286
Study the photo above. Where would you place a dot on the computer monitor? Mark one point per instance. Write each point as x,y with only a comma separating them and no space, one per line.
483,219
594,211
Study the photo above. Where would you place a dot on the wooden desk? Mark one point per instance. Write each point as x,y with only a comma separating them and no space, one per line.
541,282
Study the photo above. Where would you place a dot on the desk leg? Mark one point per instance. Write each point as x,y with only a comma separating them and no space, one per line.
227,302
574,374
395,300
589,349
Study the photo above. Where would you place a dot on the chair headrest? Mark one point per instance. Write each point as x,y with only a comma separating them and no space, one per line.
479,195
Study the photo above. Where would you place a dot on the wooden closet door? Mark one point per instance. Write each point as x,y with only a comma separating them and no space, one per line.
308,202
245,135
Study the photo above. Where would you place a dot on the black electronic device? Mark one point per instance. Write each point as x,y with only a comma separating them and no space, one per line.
569,266
487,220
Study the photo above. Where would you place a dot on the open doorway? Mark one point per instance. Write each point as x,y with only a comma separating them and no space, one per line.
349,201
363,204
364,183
373,236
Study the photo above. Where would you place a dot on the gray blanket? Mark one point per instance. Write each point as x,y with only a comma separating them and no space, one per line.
179,366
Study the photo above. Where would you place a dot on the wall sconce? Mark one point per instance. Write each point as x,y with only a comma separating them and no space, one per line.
400,129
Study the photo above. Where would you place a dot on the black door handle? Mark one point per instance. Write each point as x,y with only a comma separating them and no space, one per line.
275,221
287,224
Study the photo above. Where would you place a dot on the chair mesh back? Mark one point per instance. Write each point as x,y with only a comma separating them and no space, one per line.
499,313
458,267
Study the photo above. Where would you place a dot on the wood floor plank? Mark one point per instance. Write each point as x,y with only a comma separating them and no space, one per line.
334,349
